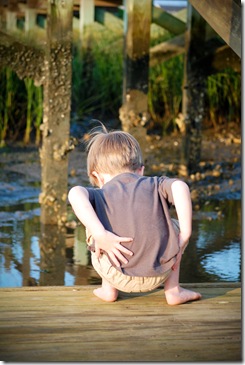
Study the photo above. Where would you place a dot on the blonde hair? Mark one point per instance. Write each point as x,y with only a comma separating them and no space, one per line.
112,153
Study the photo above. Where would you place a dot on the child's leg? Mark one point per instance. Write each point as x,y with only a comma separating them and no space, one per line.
106,292
174,293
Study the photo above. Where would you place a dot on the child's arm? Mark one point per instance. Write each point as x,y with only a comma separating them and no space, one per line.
105,240
183,206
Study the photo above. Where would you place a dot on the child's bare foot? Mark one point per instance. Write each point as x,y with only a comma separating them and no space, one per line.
107,296
178,295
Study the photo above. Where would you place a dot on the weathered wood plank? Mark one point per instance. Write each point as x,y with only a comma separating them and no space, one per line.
166,50
167,21
70,324
224,16
222,57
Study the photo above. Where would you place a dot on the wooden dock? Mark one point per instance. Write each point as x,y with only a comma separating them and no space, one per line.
44,324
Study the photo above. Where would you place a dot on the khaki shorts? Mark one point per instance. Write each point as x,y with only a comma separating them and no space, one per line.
126,283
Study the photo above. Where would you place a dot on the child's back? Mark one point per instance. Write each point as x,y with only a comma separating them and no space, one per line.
138,207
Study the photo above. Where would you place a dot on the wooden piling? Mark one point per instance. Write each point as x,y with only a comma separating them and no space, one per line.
194,88
137,18
56,119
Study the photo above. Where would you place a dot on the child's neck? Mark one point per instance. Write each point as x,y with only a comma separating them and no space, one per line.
103,178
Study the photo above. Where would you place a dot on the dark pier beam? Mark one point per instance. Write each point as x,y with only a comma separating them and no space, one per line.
134,111
224,16
56,119
196,68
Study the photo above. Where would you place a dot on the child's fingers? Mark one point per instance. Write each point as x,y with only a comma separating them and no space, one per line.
113,258
123,249
116,255
125,239
120,256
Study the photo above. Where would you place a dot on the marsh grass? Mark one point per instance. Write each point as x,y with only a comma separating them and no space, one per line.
165,92
38,107
20,108
7,86
30,91
97,76
224,97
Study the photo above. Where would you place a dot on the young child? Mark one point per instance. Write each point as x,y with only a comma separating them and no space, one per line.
134,243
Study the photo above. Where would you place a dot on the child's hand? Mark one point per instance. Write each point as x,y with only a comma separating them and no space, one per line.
111,243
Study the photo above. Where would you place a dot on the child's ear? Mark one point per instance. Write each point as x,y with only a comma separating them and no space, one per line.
141,170
99,179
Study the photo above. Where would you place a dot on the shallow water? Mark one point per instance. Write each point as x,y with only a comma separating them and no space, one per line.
32,254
